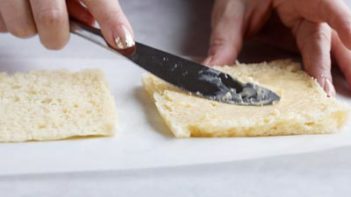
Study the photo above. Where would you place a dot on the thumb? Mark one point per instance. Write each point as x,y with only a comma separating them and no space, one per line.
227,32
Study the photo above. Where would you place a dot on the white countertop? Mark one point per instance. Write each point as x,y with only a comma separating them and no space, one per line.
324,173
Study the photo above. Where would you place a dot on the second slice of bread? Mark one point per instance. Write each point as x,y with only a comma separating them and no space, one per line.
51,105
304,108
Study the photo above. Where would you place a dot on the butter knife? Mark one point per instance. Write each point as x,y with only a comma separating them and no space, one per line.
195,78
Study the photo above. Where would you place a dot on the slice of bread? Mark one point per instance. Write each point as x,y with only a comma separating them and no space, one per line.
52,105
304,108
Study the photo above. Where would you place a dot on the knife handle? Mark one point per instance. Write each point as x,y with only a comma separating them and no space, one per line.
90,33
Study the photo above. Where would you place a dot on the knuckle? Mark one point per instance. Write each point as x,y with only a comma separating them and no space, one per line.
218,41
113,17
221,41
321,36
51,17
314,37
322,33
19,27
24,31
217,44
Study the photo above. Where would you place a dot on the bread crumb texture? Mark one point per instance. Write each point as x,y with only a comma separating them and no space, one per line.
52,105
304,107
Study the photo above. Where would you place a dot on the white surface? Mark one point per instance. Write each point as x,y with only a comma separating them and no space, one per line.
142,140
323,174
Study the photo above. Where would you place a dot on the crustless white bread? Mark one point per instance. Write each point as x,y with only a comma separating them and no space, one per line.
52,105
304,108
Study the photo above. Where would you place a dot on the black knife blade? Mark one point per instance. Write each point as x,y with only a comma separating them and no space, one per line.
200,80
187,75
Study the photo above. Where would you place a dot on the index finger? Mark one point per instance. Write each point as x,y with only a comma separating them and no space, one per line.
334,12
114,24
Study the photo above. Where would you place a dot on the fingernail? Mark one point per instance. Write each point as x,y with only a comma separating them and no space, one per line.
329,88
124,38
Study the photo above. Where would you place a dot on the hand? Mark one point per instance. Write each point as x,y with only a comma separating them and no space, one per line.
49,19
321,28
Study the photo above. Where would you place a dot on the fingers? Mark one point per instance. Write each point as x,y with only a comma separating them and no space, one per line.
17,18
314,42
335,12
51,19
79,12
342,56
114,24
227,32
